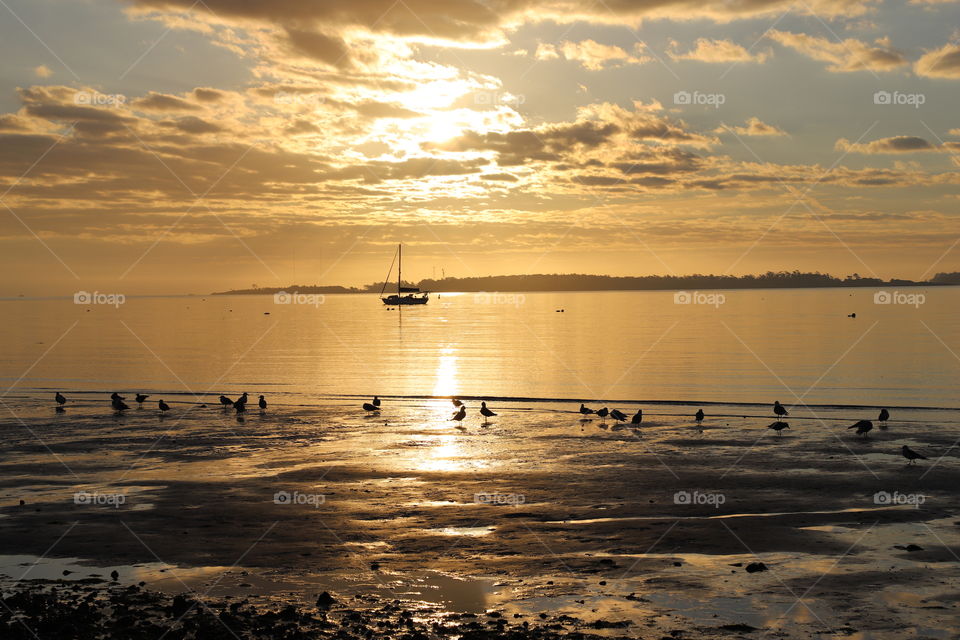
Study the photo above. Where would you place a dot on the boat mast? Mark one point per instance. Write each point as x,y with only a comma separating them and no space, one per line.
399,268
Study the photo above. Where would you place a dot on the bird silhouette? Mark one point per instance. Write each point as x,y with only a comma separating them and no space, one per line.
240,405
699,416
862,427
778,426
60,399
779,410
262,403
116,396
883,417
618,415
911,455
486,413
456,402
370,407
164,407
119,405
637,417
585,411
603,413
460,415
242,398
376,401
225,402
141,397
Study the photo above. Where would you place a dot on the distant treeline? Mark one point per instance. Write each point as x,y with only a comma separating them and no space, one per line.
946,278
587,282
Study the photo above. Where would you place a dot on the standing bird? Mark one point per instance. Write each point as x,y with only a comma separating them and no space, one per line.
119,405
242,398
883,417
699,416
486,413
618,415
376,401
585,411
778,426
241,405
116,396
603,413
140,398
262,403
911,455
456,402
164,407
779,410
460,415
60,399
370,407
225,402
637,417
862,427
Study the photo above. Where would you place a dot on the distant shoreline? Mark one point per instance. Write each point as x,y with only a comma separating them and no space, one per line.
561,284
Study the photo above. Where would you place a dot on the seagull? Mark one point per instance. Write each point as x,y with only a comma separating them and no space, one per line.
60,399
699,416
242,398
456,402
586,411
862,427
778,426
119,405
241,404
164,407
486,413
460,415
883,417
226,402
618,415
370,407
637,417
376,401
141,398
116,396
779,410
911,455
262,403
603,413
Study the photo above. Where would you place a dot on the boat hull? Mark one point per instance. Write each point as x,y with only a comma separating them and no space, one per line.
396,300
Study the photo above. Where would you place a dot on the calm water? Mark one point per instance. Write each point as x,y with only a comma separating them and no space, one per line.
756,346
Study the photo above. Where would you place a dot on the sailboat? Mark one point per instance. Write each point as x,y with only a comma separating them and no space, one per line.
404,295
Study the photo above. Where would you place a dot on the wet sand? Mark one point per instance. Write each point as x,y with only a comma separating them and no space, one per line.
536,513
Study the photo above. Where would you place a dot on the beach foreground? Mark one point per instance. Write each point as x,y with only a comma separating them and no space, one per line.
665,530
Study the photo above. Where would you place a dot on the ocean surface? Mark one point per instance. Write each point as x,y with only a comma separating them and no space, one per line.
796,346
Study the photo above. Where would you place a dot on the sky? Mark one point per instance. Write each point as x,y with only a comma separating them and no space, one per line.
189,146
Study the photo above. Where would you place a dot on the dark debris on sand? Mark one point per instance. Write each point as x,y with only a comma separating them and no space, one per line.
81,611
